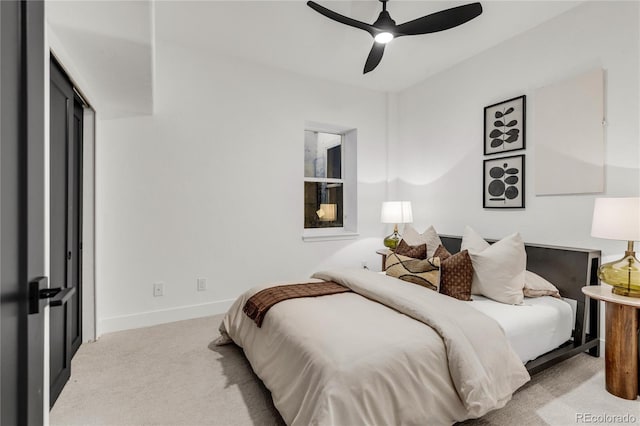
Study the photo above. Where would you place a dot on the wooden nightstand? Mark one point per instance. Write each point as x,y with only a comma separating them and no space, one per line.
384,253
621,340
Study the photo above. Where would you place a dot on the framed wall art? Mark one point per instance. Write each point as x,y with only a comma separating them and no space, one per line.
503,183
504,126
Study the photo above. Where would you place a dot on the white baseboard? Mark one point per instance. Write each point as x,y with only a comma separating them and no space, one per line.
146,319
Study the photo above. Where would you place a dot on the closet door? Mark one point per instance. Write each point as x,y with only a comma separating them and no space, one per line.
74,217
61,252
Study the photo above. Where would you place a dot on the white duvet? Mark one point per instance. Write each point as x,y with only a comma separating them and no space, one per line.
389,353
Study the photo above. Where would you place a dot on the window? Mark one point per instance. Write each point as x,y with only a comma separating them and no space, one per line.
329,182
323,183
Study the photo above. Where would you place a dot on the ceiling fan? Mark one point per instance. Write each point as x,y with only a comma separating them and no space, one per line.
385,29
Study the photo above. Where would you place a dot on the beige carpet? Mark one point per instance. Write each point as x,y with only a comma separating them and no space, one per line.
171,374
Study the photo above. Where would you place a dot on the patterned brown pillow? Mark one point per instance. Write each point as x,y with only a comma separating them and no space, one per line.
417,252
442,253
456,275
424,272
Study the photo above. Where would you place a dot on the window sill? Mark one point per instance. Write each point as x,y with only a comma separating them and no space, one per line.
329,236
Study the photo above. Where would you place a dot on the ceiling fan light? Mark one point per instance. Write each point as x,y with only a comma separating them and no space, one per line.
384,37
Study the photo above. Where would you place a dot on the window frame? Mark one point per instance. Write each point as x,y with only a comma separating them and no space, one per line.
348,173
332,180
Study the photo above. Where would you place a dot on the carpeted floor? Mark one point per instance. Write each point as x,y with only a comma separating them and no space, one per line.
172,374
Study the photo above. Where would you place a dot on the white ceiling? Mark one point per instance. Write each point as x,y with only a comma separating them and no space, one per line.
292,36
113,39
110,43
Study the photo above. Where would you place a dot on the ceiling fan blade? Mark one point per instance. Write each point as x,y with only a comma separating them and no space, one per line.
374,58
442,20
340,18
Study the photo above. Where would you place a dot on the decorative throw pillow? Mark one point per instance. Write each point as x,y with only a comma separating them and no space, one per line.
498,269
472,241
429,237
536,286
417,252
422,272
456,273
442,253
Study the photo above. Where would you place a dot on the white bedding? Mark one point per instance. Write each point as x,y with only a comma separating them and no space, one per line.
344,359
537,326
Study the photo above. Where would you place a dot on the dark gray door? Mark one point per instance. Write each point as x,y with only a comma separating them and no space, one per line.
75,219
22,209
62,251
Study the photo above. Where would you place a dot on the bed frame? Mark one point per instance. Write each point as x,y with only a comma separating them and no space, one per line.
569,269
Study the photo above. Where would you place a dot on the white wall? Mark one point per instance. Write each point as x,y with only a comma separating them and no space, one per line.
211,186
436,149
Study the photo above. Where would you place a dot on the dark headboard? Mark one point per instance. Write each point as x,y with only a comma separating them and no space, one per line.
569,269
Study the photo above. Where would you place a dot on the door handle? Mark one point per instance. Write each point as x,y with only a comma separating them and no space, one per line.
59,296
39,293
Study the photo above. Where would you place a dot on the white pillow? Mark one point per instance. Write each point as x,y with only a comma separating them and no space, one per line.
429,237
536,286
499,268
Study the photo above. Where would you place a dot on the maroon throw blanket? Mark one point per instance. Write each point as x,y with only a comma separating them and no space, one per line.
258,304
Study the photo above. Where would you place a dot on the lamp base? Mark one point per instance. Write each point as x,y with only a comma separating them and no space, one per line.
623,275
392,241
625,292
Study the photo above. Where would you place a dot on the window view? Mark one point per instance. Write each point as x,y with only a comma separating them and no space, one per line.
323,183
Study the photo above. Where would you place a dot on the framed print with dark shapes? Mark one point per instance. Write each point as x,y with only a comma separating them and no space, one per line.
504,126
503,183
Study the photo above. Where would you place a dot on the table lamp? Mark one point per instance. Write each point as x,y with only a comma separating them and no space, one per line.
395,212
619,219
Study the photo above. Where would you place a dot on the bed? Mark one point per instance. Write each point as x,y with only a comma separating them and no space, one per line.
534,328
378,355
570,269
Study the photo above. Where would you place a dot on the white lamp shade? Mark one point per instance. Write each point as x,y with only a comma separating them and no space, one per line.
396,212
616,219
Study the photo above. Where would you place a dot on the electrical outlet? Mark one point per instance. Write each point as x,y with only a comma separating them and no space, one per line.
202,284
158,289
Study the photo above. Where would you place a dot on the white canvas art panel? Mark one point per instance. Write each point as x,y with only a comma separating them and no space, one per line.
569,136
